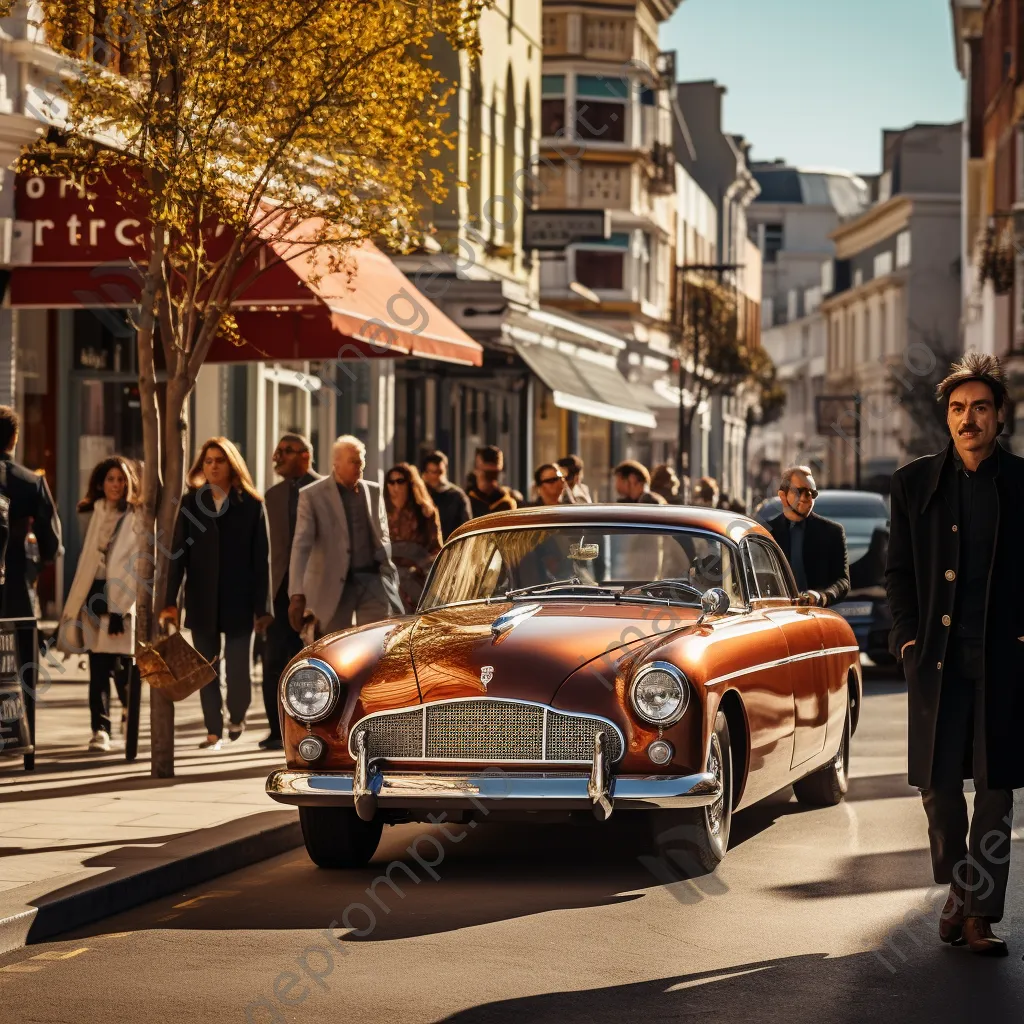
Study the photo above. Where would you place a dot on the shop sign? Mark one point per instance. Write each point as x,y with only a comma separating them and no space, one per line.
66,224
556,229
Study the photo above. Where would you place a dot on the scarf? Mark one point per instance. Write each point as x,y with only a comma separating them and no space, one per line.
105,516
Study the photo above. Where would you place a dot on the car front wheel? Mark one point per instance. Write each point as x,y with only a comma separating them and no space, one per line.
828,785
696,840
336,837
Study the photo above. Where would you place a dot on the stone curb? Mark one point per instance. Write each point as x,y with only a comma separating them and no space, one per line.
179,864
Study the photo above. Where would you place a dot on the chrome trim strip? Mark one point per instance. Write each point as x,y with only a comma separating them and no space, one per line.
544,736
778,662
534,791
321,666
495,700
508,621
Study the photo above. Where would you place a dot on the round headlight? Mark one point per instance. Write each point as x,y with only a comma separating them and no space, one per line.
660,693
310,690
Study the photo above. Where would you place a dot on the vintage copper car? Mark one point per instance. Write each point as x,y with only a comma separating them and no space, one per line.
575,660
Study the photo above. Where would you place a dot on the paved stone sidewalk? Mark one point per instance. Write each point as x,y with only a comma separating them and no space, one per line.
82,817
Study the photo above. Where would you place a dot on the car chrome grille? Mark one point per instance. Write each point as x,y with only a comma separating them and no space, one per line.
486,729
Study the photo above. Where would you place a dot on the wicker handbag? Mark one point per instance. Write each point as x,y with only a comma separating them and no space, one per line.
173,665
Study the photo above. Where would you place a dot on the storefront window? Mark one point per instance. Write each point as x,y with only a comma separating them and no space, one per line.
110,421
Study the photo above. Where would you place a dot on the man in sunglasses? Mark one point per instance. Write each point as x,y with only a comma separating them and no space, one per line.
815,547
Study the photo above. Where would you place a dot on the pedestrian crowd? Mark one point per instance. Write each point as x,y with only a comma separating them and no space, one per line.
315,554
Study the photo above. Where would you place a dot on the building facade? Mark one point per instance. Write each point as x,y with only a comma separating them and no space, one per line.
892,307
989,53
791,222
719,164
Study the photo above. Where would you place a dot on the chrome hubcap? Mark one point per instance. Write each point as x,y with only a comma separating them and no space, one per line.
716,812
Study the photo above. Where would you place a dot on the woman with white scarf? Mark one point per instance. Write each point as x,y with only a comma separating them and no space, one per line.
99,614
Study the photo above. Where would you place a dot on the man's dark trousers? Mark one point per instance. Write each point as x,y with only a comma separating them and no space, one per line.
983,867
283,643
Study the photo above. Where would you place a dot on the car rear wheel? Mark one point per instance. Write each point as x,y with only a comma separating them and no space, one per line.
336,837
828,785
696,840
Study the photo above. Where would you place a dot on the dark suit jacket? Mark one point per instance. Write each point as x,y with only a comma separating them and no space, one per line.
32,511
281,536
224,560
825,558
453,508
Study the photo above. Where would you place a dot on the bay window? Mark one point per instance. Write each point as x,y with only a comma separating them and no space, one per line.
600,112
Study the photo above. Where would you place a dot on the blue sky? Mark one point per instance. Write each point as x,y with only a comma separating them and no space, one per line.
815,81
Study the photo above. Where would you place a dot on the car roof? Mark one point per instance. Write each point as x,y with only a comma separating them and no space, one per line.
732,525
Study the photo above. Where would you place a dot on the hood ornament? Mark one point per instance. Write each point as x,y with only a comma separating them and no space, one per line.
510,619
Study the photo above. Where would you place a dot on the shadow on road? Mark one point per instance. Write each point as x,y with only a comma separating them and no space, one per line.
941,984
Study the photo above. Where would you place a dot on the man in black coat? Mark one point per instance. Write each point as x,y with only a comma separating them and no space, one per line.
31,511
292,458
955,579
452,504
815,546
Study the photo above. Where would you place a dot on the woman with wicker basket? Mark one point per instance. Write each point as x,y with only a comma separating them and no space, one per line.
221,552
99,614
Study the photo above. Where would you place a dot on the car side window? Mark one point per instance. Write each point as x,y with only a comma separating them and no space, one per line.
768,575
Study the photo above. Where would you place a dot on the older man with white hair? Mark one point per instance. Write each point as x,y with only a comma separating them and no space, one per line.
341,568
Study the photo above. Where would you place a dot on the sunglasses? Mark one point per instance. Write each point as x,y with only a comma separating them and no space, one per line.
552,480
394,481
802,492
287,451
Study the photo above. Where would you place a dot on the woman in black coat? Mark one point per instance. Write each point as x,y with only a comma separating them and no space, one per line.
221,550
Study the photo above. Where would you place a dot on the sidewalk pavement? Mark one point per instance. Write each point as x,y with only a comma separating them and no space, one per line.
87,835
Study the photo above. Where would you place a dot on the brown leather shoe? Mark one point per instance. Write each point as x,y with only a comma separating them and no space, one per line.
979,938
951,923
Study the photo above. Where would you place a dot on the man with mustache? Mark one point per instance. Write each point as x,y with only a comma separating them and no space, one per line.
955,579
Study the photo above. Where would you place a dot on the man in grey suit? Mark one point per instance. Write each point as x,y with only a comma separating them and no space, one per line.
292,459
341,567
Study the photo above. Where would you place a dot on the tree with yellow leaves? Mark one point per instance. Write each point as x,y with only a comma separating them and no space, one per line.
254,116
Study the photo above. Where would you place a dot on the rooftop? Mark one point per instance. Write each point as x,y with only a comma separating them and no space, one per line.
846,193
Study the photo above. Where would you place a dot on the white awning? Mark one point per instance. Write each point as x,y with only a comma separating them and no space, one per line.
586,387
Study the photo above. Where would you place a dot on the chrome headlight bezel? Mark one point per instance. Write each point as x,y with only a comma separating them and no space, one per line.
333,680
684,693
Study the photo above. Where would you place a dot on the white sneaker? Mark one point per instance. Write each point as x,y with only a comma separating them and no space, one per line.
100,741
211,743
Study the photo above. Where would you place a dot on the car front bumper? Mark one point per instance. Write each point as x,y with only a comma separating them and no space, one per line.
489,789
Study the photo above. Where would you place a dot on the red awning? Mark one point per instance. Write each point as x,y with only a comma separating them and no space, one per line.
299,309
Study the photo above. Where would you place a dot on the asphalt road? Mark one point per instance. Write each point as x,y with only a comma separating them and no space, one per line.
815,916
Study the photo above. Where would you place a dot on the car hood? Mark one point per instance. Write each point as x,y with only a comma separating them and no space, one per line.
456,654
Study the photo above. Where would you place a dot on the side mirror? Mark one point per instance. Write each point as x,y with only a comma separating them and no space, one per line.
714,602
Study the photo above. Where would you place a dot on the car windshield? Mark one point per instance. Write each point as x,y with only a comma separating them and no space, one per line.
560,561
